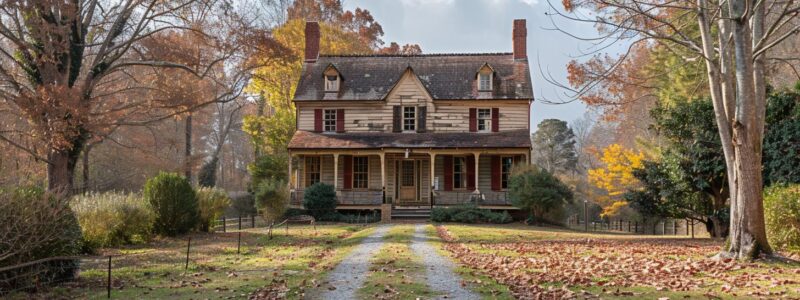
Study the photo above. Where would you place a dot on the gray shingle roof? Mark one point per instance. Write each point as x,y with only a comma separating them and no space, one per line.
445,76
504,139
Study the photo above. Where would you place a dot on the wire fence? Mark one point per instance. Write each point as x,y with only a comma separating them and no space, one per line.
679,227
183,261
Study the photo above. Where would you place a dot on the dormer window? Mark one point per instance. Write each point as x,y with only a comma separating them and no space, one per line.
331,83
485,82
485,76
332,79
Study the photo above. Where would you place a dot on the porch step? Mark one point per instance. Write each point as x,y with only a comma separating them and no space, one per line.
416,213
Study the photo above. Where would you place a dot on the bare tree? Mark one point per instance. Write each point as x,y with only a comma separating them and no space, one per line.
73,70
732,38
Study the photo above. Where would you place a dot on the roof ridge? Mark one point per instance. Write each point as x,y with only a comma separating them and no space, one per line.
417,55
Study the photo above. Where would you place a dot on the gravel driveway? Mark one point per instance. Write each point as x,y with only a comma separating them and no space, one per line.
439,270
350,274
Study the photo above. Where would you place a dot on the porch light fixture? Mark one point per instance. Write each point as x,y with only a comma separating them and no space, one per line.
407,152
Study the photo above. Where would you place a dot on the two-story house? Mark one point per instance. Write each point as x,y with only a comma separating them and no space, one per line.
395,131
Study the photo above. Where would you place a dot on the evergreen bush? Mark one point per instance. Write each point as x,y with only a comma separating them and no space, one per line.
174,203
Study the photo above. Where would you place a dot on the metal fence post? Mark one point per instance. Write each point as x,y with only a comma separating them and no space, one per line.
252,221
240,222
188,246
108,288
239,245
224,223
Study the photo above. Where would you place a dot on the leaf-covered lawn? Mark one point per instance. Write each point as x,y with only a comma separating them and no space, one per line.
539,262
281,267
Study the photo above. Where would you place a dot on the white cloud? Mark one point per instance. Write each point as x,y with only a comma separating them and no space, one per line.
530,2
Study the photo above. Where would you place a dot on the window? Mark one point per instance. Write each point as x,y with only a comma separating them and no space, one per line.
312,170
505,168
484,119
485,81
360,172
329,120
409,118
331,83
459,172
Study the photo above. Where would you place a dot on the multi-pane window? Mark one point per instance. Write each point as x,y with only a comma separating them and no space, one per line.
312,170
505,168
331,83
484,119
329,120
360,172
409,118
459,172
485,81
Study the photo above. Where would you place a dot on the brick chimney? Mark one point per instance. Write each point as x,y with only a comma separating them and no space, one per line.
520,37
312,42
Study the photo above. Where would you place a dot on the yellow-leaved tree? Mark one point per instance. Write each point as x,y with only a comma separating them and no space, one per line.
615,177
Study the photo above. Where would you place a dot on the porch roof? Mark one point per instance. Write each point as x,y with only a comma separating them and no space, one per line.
505,139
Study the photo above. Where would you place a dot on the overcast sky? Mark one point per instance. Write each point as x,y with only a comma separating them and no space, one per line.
446,26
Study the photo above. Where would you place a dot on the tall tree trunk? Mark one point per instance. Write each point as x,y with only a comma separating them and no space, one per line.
85,168
187,154
748,238
61,167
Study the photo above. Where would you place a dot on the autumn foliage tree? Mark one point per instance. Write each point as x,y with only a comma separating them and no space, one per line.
78,70
732,39
615,176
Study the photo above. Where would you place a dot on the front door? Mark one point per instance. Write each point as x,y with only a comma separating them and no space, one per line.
408,182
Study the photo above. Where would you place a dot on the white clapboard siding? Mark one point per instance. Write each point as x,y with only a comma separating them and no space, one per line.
443,115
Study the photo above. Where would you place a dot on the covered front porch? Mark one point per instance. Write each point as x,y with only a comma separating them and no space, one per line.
407,178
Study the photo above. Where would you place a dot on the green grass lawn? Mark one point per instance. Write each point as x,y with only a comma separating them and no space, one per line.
285,265
562,263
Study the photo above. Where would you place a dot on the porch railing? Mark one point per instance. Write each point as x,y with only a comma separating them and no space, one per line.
368,197
463,197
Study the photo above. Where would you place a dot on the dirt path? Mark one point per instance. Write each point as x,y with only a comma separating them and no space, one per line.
439,269
344,280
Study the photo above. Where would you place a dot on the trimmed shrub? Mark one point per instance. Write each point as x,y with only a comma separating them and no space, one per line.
320,202
112,219
469,213
37,225
174,203
212,203
782,216
272,199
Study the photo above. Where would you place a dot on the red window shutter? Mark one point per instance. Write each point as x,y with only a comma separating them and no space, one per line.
495,119
448,172
471,172
348,172
318,120
473,120
496,173
340,120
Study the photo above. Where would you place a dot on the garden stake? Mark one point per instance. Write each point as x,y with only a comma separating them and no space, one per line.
108,288
188,246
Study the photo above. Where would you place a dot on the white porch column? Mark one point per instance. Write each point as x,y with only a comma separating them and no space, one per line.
432,164
336,172
291,180
383,174
477,171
